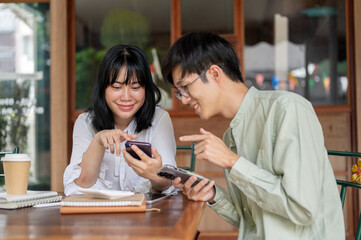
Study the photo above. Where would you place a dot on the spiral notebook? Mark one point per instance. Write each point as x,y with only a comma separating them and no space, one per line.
29,199
88,204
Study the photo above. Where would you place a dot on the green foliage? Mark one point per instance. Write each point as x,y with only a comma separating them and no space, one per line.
87,62
14,128
3,132
124,26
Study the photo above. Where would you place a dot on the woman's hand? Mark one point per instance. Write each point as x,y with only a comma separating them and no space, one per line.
107,139
93,156
147,167
200,192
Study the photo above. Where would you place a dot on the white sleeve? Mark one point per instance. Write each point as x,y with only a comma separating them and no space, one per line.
82,137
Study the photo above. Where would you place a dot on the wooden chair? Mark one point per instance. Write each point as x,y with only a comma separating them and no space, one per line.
345,184
192,164
16,150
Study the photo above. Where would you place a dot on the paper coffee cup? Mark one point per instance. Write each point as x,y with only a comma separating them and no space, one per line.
16,170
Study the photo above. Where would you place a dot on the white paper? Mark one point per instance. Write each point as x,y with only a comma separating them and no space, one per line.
108,194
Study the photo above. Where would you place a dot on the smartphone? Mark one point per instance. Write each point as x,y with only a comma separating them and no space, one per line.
154,197
171,172
144,146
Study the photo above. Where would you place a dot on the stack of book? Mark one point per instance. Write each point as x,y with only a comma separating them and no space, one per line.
90,204
29,199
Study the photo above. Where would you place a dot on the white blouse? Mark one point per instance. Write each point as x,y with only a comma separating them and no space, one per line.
115,173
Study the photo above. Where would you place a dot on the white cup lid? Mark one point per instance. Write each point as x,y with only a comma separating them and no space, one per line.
16,157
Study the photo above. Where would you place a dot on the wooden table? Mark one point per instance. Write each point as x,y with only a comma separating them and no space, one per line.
178,219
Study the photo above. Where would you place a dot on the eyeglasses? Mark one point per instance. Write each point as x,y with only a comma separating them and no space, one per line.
183,91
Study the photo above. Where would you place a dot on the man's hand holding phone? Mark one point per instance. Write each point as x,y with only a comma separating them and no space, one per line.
195,186
200,192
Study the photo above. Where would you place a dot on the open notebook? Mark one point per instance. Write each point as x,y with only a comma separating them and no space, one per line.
89,204
31,198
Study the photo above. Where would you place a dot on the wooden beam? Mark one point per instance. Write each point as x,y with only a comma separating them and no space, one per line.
175,28
175,33
239,32
58,92
71,74
357,85
357,50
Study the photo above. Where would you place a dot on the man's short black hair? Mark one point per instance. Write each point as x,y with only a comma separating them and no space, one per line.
197,51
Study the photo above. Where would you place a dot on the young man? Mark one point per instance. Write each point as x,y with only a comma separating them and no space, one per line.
280,181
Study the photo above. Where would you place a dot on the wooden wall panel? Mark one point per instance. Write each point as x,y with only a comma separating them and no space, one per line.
336,130
191,125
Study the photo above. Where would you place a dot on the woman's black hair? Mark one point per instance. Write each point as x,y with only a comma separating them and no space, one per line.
197,51
133,60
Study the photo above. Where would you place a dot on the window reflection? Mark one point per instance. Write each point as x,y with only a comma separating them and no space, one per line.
207,15
99,26
299,47
24,86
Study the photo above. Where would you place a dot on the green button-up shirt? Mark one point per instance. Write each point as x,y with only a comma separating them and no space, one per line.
283,185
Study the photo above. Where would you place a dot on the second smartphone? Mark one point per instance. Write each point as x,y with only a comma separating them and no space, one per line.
171,172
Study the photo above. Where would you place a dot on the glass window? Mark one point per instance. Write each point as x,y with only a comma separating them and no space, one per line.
207,15
297,46
103,24
24,86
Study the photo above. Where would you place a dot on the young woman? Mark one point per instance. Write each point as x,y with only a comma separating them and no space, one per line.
123,108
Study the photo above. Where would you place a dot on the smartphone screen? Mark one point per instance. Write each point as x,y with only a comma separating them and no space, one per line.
144,146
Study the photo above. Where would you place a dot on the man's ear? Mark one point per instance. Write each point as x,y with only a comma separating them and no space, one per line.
216,72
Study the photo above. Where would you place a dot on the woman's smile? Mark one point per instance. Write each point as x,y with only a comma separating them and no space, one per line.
126,107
